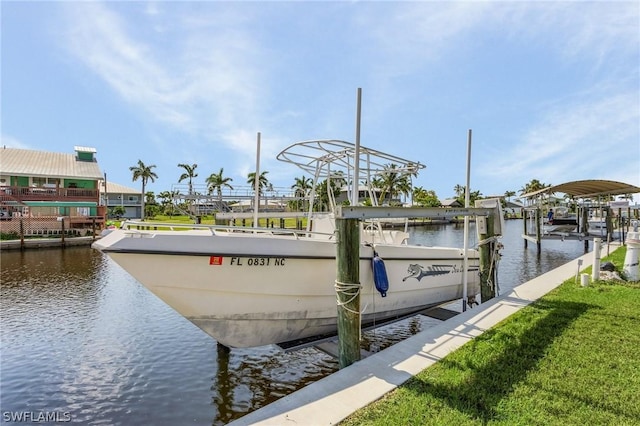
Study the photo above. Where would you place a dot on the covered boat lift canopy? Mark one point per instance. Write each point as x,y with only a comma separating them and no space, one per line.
587,189
581,189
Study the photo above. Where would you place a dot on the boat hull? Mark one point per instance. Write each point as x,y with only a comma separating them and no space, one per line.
284,288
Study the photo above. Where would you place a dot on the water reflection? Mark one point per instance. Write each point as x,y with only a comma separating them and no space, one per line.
80,335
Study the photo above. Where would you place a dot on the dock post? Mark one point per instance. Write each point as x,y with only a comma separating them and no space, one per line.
487,261
595,276
538,214
21,234
62,226
348,290
609,223
525,231
584,227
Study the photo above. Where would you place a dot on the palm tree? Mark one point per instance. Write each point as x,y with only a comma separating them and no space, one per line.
392,182
509,194
166,200
144,173
263,182
426,198
534,185
321,200
404,186
150,197
190,173
165,197
459,190
217,182
301,188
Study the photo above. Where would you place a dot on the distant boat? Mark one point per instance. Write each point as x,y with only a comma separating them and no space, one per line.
251,287
561,223
597,222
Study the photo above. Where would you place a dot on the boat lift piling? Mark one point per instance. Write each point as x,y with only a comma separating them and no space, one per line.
348,290
348,260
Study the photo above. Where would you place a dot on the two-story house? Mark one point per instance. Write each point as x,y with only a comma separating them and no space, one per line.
38,188
129,199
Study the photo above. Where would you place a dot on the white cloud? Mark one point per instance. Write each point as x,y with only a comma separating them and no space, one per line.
214,72
584,140
205,85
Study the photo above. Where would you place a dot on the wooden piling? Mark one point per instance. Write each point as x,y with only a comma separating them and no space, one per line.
584,227
348,290
525,231
609,224
62,226
488,270
21,234
538,220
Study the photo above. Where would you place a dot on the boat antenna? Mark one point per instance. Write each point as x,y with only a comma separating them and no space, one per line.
356,169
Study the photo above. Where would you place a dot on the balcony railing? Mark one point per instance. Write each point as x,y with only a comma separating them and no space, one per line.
27,193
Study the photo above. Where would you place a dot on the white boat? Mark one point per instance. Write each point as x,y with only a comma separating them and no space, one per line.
562,223
250,287
597,223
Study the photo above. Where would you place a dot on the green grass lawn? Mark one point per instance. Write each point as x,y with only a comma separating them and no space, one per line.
571,358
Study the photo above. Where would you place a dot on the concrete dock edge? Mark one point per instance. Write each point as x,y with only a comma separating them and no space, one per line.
335,397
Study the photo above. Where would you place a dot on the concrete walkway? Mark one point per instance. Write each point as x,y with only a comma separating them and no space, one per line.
333,398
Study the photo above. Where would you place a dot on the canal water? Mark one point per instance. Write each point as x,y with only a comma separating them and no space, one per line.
82,340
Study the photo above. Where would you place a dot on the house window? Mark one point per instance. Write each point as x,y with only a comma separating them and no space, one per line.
46,182
38,181
132,198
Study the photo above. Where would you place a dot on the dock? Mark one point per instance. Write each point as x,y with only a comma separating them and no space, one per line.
38,243
335,397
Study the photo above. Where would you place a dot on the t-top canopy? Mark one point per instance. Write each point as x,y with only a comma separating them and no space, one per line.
329,158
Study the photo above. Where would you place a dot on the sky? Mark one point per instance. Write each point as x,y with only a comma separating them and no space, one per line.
550,90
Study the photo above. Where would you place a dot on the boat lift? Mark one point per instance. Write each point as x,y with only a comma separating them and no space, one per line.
585,190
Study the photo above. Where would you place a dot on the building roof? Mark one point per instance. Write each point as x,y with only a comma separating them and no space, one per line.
451,202
25,162
588,188
115,188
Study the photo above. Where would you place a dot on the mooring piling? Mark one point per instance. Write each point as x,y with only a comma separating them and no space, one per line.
348,290
488,273
347,284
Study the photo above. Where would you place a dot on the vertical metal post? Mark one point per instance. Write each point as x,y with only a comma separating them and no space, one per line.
467,197
256,185
595,276
356,169
348,290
